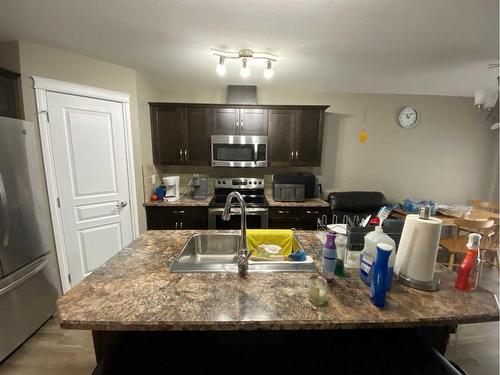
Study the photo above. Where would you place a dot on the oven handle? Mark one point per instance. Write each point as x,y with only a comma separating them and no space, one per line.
237,211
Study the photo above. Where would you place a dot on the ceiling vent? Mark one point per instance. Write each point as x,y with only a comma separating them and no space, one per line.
241,94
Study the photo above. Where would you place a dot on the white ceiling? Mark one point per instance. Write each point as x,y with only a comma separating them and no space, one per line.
384,46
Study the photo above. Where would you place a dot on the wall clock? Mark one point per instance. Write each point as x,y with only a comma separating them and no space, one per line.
408,118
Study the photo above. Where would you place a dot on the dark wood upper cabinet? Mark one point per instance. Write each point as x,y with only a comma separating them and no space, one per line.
196,135
166,135
281,136
239,121
9,94
295,137
225,121
308,138
181,132
180,135
253,121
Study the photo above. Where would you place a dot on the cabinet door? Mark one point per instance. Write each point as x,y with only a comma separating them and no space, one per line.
308,138
281,136
8,94
166,135
253,121
225,121
196,135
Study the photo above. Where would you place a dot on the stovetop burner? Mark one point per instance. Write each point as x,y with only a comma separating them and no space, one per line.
250,201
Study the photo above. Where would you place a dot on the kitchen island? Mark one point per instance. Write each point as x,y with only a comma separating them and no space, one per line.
135,292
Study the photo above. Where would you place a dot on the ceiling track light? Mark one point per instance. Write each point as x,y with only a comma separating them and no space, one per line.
245,55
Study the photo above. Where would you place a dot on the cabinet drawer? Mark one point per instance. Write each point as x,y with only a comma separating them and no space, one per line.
304,218
181,217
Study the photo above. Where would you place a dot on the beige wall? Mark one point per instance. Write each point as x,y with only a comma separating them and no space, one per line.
47,62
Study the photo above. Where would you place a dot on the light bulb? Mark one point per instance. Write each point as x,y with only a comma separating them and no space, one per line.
268,72
245,72
221,68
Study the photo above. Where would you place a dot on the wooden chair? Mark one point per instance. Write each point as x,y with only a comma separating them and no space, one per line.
485,206
457,244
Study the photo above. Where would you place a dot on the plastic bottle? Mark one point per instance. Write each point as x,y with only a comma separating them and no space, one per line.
469,271
329,258
379,287
341,245
369,254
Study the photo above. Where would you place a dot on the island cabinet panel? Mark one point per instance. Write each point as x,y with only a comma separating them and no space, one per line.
239,121
304,218
281,136
178,217
180,135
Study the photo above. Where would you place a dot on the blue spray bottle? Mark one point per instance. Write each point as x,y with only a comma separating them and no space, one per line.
379,284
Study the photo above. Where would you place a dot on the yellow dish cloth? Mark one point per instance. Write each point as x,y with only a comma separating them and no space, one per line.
280,237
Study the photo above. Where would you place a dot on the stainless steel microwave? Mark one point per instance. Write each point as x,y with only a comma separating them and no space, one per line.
239,151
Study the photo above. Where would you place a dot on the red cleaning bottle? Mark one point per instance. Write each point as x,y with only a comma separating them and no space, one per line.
469,271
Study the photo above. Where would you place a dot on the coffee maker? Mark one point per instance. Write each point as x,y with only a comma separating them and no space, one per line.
172,188
200,187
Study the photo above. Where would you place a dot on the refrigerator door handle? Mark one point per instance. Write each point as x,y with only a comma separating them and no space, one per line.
22,279
4,215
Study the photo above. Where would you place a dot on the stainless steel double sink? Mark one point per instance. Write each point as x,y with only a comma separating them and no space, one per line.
218,253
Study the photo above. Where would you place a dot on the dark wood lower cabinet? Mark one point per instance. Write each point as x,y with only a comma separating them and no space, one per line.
182,217
304,218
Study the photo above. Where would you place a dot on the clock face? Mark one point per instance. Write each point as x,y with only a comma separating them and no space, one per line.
408,117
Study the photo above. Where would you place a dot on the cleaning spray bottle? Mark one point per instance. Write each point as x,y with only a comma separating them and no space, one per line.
329,258
369,254
469,271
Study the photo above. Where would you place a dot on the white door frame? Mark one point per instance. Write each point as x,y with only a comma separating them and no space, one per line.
42,86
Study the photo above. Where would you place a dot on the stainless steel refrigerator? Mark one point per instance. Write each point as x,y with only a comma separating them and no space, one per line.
27,295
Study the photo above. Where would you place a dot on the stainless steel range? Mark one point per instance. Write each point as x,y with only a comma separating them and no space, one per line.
252,190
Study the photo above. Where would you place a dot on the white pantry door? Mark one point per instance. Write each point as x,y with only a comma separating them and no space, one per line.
90,160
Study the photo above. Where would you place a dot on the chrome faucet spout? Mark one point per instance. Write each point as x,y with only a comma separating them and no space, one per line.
243,253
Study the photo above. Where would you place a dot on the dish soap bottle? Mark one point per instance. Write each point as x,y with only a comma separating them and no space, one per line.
379,286
469,271
369,254
329,258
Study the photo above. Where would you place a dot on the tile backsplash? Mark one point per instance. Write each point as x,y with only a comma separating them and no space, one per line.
152,175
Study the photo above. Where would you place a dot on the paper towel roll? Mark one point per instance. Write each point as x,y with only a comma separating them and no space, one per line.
418,248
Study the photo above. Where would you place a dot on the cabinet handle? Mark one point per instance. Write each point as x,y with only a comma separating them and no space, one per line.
241,126
185,154
181,225
180,154
178,212
291,154
283,212
237,125
312,212
176,225
296,155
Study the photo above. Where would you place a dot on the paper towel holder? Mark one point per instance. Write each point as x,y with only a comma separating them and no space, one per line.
427,286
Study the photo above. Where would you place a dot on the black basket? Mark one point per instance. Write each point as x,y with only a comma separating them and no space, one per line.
356,235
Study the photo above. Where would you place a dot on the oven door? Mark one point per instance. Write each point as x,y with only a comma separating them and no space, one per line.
257,218
239,151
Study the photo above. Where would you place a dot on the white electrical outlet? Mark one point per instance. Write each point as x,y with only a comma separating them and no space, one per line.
153,179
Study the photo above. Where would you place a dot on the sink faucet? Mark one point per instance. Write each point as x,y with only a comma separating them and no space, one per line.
243,253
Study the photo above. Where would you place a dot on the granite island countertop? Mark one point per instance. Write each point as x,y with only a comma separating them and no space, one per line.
134,290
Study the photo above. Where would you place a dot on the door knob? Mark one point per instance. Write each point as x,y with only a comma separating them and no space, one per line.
121,204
